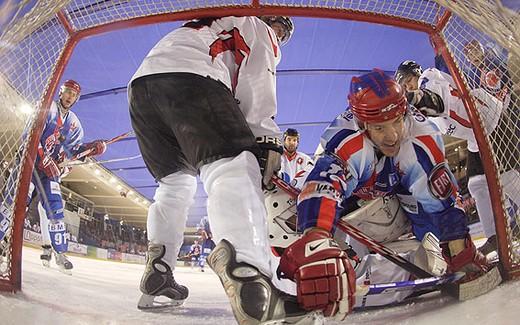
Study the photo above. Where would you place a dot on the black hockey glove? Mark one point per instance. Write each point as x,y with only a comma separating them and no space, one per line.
271,151
427,102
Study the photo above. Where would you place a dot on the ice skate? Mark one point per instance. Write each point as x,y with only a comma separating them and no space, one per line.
253,297
489,246
157,284
46,255
63,263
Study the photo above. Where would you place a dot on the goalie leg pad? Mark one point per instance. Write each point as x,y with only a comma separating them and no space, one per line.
428,256
253,297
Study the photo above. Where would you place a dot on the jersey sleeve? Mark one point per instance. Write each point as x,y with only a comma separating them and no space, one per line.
427,180
256,77
336,174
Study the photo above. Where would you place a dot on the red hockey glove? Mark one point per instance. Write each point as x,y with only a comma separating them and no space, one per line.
49,167
323,274
469,260
98,146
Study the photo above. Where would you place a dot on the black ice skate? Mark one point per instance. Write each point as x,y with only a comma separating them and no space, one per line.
253,297
46,255
63,263
157,284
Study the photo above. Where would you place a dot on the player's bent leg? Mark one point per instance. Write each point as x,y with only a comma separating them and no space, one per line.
253,297
158,280
166,220
236,208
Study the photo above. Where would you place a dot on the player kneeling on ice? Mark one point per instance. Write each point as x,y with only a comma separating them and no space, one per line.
378,146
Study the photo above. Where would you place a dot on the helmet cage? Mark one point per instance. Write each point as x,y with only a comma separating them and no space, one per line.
286,22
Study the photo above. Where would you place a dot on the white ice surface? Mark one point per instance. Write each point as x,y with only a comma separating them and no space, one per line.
101,292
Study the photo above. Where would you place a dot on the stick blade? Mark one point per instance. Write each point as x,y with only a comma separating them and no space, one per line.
476,287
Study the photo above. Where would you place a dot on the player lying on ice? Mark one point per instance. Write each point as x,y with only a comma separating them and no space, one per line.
380,145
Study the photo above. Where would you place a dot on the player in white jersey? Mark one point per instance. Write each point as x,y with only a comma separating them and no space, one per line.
294,162
436,95
202,103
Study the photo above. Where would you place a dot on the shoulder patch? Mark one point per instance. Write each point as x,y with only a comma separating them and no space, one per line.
440,184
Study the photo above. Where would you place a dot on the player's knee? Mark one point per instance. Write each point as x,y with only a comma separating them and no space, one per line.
176,187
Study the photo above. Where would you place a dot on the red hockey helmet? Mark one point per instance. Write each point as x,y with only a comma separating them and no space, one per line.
375,97
70,84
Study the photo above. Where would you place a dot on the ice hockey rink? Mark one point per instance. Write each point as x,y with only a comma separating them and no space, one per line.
104,292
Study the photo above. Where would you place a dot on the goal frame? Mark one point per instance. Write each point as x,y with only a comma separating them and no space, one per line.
255,8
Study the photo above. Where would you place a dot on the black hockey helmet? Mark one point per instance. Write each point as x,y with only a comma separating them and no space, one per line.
291,132
285,21
407,68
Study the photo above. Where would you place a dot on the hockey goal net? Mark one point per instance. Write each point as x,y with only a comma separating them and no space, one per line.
38,38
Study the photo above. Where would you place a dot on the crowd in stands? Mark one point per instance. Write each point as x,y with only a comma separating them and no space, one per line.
100,231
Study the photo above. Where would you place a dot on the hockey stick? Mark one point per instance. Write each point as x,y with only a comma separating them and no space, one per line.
85,153
415,285
95,162
361,237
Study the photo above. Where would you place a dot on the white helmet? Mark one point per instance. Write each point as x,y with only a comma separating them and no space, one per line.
281,218
383,219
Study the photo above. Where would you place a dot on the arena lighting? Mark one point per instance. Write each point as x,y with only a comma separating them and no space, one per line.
27,109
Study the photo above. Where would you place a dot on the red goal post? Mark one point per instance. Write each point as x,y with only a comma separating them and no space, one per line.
36,44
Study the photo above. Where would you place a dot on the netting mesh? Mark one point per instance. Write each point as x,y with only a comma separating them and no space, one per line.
33,44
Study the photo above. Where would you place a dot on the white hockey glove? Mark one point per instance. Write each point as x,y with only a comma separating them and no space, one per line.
270,162
427,102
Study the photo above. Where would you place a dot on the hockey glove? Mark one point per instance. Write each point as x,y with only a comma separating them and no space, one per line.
427,102
323,274
269,159
461,255
98,147
49,167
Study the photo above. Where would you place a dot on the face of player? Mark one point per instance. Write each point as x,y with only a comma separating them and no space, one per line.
410,82
68,97
291,143
279,30
387,136
474,54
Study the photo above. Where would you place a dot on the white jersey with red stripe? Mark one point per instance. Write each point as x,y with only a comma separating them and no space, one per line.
455,121
295,165
241,52
351,165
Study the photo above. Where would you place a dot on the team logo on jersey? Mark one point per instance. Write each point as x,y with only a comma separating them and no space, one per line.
299,161
439,182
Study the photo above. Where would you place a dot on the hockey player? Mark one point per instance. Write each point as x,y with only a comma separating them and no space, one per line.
378,146
294,162
62,132
207,241
195,252
488,71
439,99
196,107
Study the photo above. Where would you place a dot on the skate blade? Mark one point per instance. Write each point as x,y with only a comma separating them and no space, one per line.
46,263
476,287
311,318
149,303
